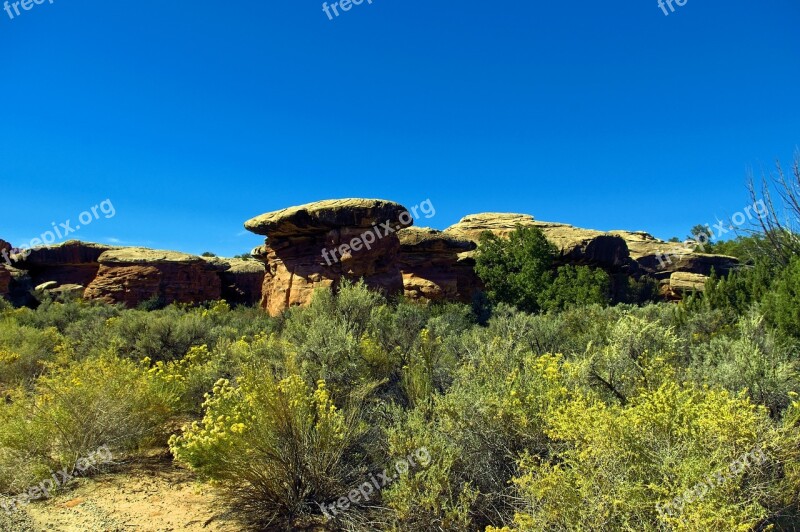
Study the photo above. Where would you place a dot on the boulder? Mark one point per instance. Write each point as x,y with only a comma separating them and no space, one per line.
431,267
320,244
132,276
681,283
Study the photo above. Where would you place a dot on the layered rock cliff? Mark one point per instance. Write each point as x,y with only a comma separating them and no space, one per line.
323,243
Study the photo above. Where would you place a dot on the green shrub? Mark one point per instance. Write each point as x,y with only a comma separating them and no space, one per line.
25,352
105,401
751,359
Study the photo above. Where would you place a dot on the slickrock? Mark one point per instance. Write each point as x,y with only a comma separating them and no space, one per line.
319,244
431,267
133,275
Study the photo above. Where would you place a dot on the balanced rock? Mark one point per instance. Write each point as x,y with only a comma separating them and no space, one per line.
319,244
133,275
431,267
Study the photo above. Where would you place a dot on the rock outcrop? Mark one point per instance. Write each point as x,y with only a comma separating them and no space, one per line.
241,279
681,283
72,262
319,244
134,275
661,259
323,243
576,245
431,267
5,281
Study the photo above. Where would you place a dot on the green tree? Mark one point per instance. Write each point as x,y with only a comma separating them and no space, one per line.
782,303
577,285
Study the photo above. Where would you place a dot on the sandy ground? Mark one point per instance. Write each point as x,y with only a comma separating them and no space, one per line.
148,496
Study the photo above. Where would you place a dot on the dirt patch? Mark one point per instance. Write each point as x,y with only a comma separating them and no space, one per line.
150,495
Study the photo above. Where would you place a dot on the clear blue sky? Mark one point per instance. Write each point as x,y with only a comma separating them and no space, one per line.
192,117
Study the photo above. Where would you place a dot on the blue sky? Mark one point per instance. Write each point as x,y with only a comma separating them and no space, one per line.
192,117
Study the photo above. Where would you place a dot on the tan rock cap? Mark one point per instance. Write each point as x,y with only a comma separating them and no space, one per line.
322,216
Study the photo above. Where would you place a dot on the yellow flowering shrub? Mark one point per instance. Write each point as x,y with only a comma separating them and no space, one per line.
609,466
278,445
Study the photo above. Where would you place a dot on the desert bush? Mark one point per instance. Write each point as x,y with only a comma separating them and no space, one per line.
25,446
610,467
753,359
159,335
26,351
495,410
638,355
105,401
280,446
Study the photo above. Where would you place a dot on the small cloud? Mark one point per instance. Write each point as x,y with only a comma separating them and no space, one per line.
243,233
112,240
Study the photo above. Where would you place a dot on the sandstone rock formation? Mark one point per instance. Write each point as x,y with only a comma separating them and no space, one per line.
577,246
319,244
681,283
242,279
133,275
72,262
431,267
661,259
5,281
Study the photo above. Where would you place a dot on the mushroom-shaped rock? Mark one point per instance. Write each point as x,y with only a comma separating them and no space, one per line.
319,244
